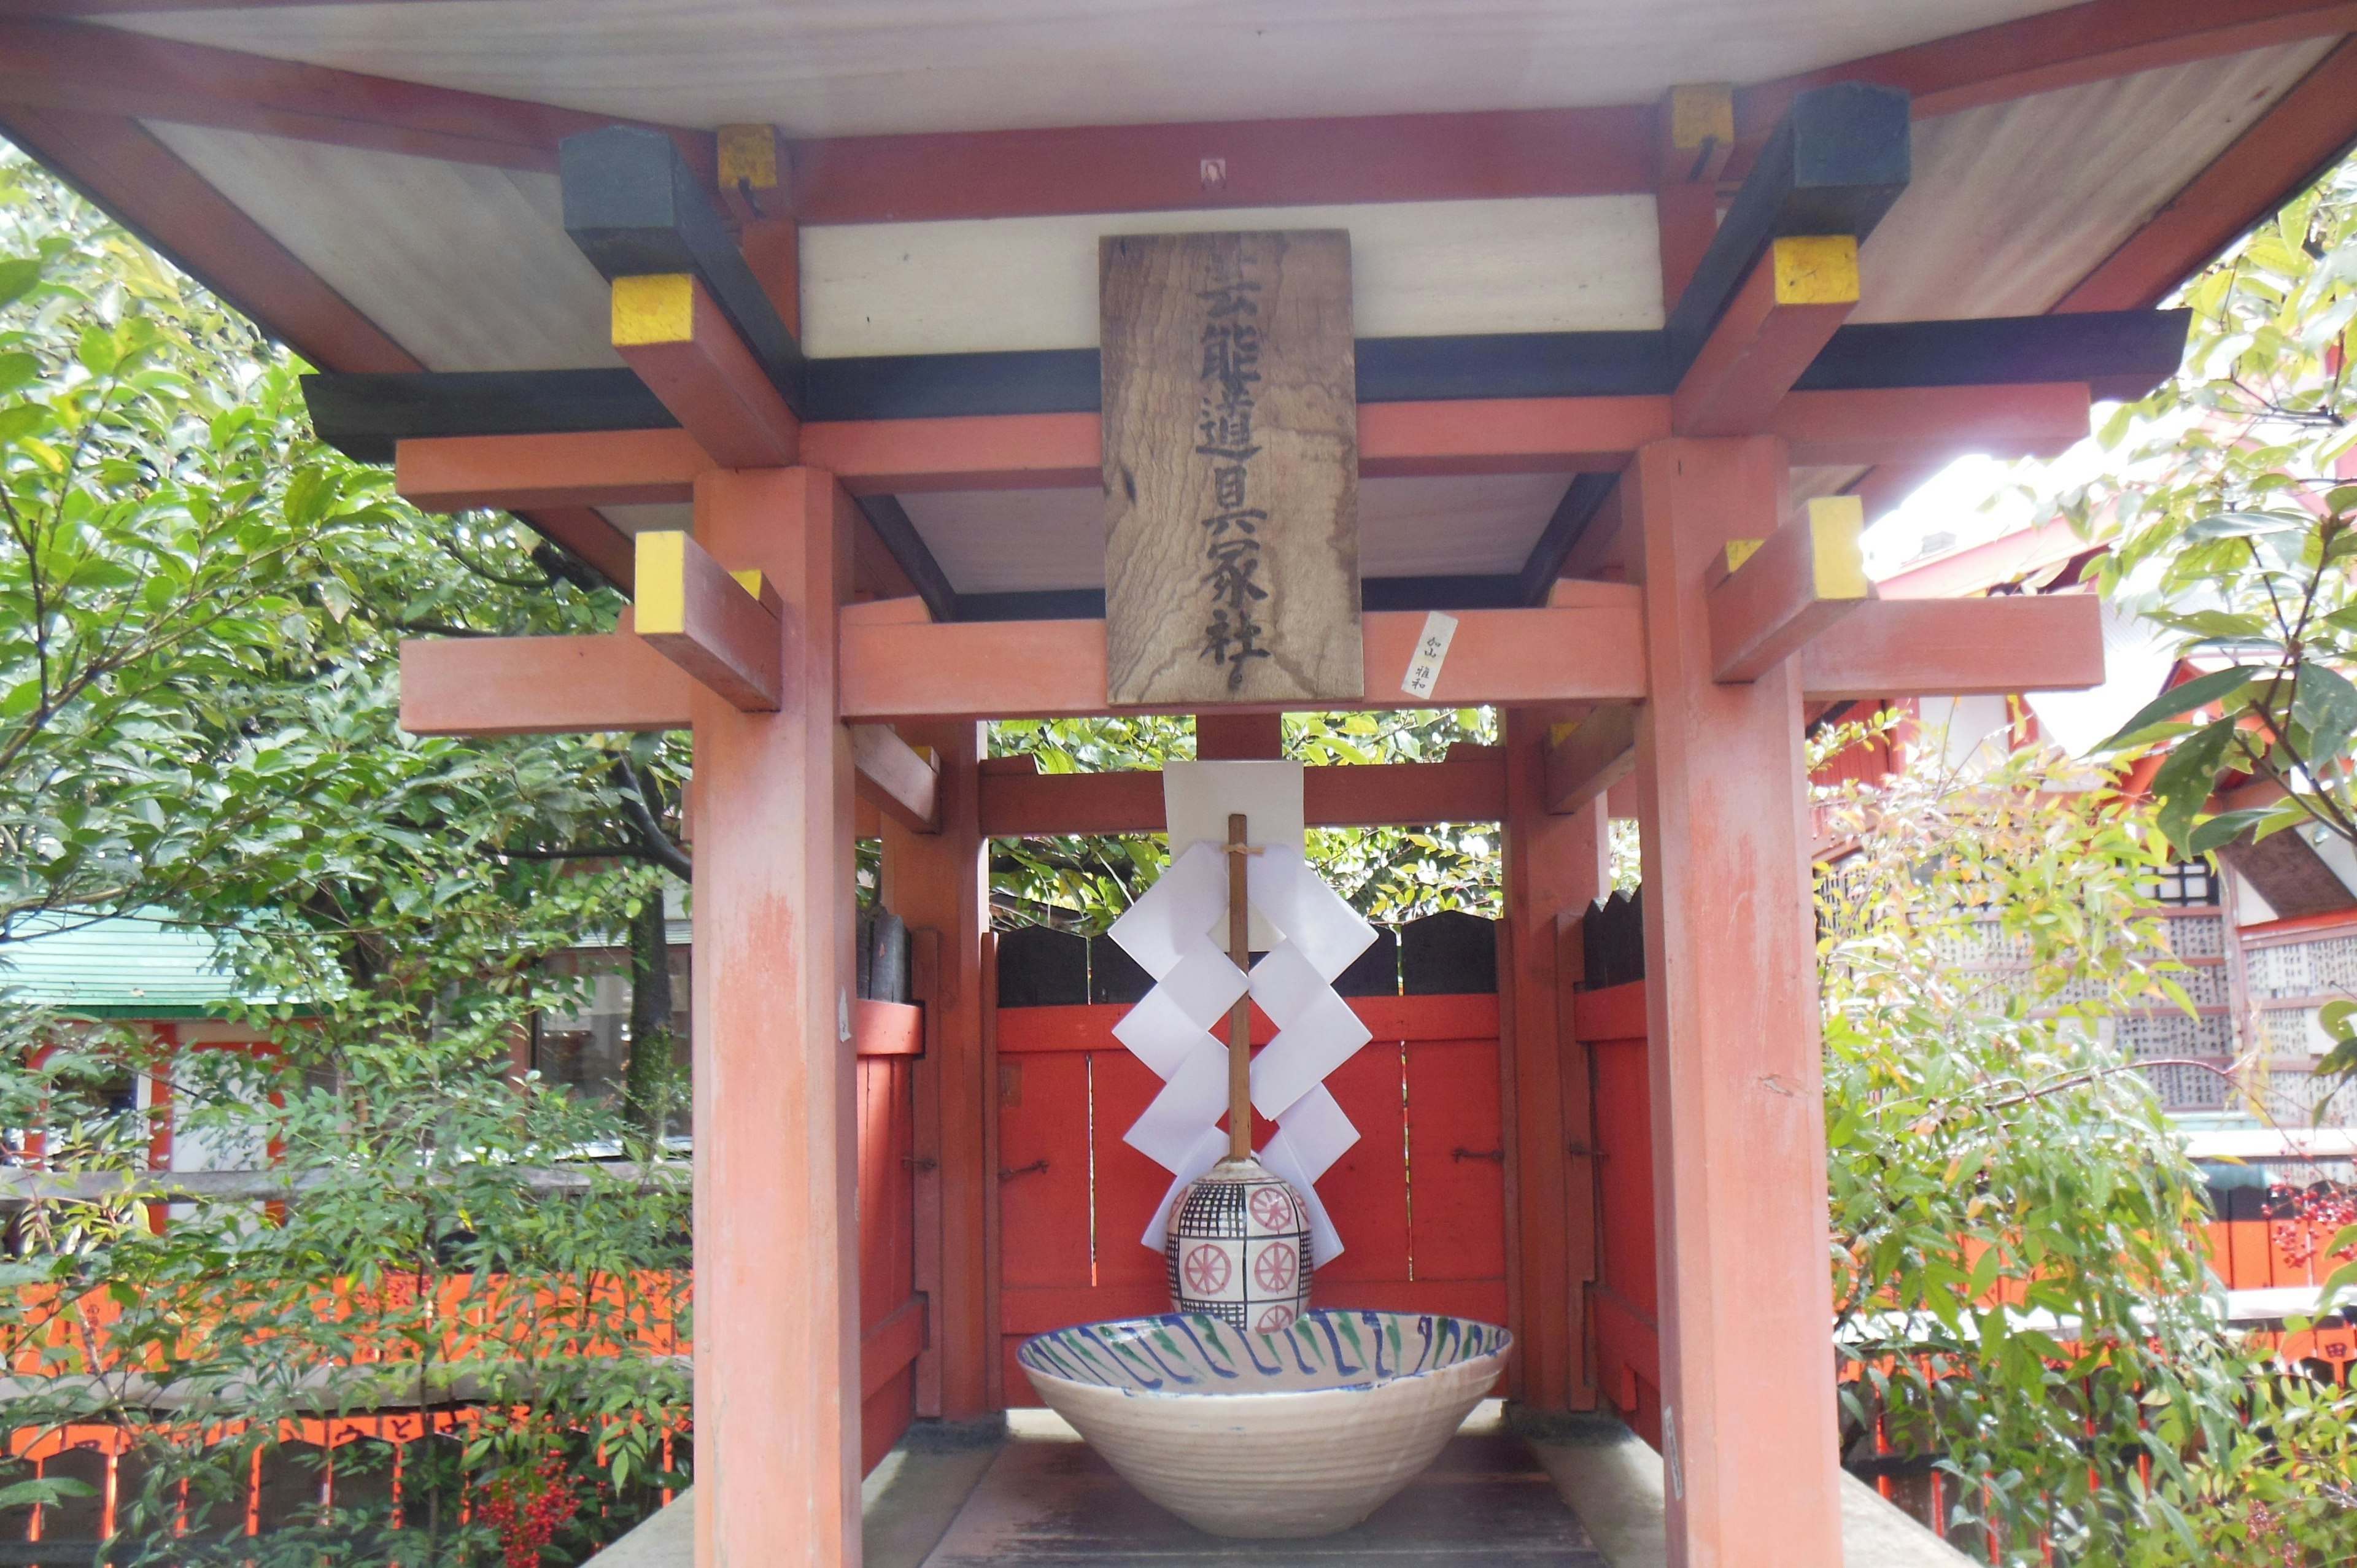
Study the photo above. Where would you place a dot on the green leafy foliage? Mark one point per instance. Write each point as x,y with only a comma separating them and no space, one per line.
2227,503
1084,883
2020,1278
201,609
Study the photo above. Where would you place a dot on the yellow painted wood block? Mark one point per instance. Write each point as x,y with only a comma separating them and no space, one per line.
1815,269
748,157
1837,533
1700,113
659,600
659,307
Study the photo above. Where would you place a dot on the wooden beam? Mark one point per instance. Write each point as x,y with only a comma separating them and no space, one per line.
904,784
1958,647
1838,158
1002,452
2124,354
1856,429
1470,787
2121,354
1932,424
899,669
584,533
1768,597
98,69
365,416
608,467
1583,500
1797,296
1042,668
2098,42
1587,758
888,520
668,330
1265,163
539,685
721,628
2304,132
1239,738
634,207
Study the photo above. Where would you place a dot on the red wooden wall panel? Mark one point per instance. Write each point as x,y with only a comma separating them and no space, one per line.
891,1314
1069,1235
1456,1165
1626,1296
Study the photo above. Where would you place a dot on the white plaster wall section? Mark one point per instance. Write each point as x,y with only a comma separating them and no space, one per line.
466,267
1577,263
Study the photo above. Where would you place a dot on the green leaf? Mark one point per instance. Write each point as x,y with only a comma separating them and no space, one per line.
2225,828
2198,693
2187,780
46,1489
2246,524
2340,1062
2335,1017
22,420
96,350
18,275
2326,704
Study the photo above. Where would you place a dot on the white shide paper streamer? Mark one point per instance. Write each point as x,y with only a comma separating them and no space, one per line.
1171,1029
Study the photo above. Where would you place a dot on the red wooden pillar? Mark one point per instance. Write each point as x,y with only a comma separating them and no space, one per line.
1749,1435
1553,865
938,881
777,1278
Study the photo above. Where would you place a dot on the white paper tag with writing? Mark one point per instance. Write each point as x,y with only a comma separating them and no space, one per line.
1431,649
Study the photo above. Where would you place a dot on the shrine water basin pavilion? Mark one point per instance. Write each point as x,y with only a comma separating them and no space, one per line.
810,291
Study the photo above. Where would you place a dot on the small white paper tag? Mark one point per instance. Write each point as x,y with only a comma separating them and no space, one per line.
1431,650
842,1015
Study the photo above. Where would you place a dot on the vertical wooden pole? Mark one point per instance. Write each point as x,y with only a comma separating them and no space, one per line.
1240,1121
1553,864
1749,1437
939,881
777,1278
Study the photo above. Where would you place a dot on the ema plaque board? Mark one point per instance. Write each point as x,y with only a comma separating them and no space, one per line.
1231,468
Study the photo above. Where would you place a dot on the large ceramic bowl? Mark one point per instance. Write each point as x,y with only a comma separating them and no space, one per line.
1300,1433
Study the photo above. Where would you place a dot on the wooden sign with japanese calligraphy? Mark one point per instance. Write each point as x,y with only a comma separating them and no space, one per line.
1231,468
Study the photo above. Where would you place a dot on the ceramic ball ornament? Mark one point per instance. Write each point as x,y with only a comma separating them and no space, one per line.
1238,1247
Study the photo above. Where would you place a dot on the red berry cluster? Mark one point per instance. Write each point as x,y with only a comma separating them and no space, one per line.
528,1508
2302,1219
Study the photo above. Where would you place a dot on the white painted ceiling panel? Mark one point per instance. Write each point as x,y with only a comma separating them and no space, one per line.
1001,542
994,541
1589,263
1453,525
2013,204
832,68
467,268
